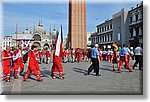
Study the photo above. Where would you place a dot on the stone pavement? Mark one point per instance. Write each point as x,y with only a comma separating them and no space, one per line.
76,82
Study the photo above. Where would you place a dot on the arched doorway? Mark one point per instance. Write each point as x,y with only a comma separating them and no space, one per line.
46,45
37,37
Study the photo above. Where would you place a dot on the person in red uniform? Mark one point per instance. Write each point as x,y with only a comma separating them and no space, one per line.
57,66
37,57
6,59
19,55
79,55
100,54
32,63
47,56
15,67
65,56
73,55
115,59
41,54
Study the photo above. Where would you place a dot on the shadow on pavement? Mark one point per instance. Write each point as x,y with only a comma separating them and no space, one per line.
79,70
46,73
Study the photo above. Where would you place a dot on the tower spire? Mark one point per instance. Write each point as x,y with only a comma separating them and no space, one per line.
39,23
26,26
16,28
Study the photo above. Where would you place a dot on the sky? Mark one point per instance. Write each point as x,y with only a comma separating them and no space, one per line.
56,14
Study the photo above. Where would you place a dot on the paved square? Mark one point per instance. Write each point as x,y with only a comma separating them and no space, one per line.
76,82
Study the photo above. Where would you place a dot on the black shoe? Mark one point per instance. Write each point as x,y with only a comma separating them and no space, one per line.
98,75
7,80
16,77
133,67
86,74
114,70
61,78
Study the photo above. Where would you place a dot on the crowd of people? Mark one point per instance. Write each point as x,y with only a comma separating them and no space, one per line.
13,60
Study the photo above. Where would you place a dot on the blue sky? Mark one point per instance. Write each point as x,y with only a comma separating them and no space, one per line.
55,14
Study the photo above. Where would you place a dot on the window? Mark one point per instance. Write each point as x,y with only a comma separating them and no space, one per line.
111,37
111,26
131,33
136,17
107,27
102,29
131,19
97,30
105,38
137,31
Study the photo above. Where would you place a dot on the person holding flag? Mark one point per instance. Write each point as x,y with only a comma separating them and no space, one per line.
115,45
57,56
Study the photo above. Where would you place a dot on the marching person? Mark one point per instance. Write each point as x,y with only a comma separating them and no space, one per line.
32,63
138,57
6,58
65,56
41,54
115,59
123,58
100,54
78,54
15,67
95,61
89,55
57,66
19,55
47,56
128,55
73,55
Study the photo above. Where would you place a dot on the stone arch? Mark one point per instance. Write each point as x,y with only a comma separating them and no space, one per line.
37,37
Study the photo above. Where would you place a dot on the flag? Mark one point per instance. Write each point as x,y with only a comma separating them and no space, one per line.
115,45
58,43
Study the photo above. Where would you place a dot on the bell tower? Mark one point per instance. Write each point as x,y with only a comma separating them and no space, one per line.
77,37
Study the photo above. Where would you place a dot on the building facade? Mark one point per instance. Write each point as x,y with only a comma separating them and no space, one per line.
104,34
136,25
120,27
77,37
6,41
28,37
125,27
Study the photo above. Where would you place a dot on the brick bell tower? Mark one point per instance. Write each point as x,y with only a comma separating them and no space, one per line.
77,37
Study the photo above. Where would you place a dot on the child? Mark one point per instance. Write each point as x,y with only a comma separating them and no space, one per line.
115,59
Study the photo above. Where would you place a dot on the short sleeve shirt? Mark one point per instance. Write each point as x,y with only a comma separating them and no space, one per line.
6,54
94,53
123,52
32,59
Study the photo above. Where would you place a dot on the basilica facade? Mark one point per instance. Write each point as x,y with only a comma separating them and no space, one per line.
38,34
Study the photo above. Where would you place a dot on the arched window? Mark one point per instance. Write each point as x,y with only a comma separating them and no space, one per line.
37,37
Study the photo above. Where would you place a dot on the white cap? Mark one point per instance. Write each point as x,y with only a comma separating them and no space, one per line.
96,45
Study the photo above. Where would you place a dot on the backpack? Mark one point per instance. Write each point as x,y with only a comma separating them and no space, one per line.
11,62
25,57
